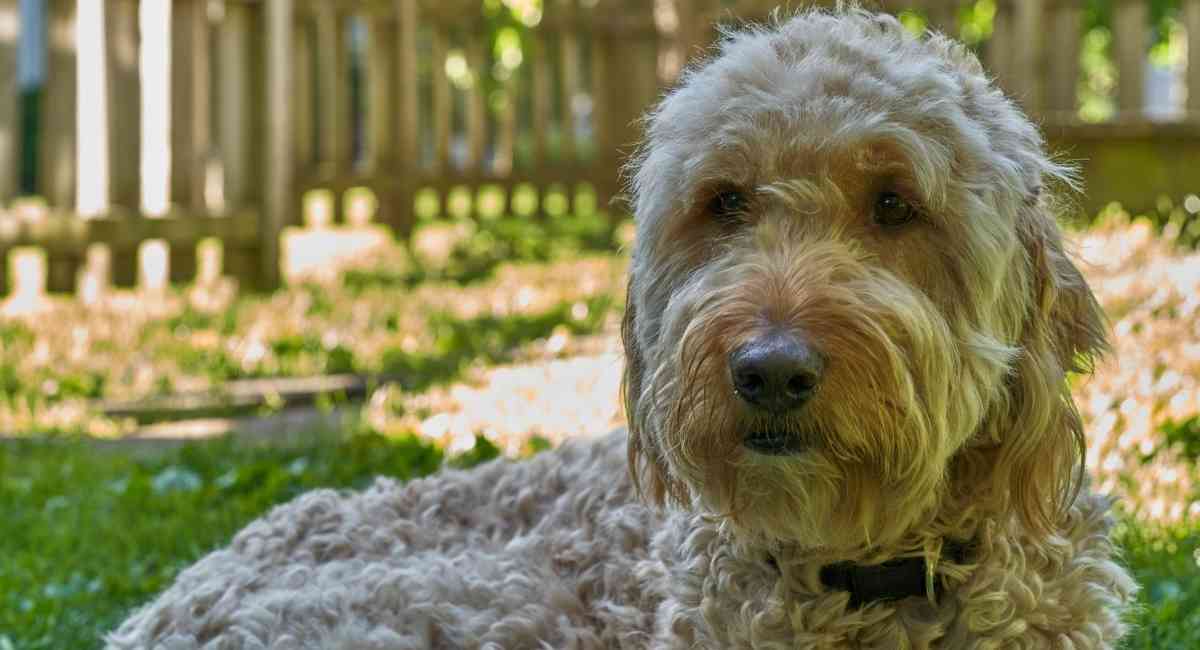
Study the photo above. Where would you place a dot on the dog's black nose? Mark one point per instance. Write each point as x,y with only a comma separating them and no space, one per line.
777,372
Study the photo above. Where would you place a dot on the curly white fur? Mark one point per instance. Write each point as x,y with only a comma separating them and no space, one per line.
943,413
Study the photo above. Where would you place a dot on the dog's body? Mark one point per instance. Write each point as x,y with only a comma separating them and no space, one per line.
849,328
557,552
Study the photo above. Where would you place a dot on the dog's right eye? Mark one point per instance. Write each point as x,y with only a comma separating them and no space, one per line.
728,204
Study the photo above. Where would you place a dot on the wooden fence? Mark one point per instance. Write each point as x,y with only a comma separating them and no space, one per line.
179,121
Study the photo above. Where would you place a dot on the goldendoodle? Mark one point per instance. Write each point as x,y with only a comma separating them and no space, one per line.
849,328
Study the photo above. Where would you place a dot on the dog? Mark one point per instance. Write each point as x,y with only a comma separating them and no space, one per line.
849,326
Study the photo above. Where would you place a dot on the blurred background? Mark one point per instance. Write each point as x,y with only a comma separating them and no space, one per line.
252,248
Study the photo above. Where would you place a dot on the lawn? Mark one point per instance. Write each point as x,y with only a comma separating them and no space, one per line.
488,349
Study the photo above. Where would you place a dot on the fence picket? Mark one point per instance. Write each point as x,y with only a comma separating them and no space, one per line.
57,179
1131,31
278,115
10,26
124,103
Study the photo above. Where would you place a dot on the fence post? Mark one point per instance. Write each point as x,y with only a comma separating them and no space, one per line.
998,55
541,86
381,43
568,44
1130,45
305,116
124,103
476,118
1027,62
1191,22
56,158
235,93
400,216
10,26
190,112
627,41
332,88
277,196
1066,24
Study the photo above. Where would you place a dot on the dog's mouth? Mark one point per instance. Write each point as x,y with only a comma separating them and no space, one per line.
772,442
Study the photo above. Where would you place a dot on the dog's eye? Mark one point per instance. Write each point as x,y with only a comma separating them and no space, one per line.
728,204
892,210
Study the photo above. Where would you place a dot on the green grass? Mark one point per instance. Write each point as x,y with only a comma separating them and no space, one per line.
90,534
1166,563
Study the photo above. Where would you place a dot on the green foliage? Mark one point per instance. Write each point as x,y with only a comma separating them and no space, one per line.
1166,564
1098,79
1185,435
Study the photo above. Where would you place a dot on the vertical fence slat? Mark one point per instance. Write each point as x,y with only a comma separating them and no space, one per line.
332,88
441,98
1130,46
506,130
570,87
9,33
1066,24
476,116
998,55
600,119
1191,22
303,81
401,217
278,197
407,83
1027,72
540,88
58,148
233,89
626,40
380,90
124,101
190,119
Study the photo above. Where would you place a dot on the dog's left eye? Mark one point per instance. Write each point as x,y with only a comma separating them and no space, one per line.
728,204
892,210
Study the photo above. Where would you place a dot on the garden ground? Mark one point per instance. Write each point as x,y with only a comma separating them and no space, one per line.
499,359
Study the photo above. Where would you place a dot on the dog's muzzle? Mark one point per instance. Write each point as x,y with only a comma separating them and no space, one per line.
775,374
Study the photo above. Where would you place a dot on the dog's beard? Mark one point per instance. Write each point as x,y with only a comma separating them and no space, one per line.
866,460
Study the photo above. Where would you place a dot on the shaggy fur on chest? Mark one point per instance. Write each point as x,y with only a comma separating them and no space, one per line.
557,552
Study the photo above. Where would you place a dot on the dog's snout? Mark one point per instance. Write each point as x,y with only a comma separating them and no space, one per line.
777,372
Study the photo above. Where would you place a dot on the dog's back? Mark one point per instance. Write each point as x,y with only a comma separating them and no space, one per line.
512,554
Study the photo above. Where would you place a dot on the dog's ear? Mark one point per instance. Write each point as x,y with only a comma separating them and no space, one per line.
645,466
1039,460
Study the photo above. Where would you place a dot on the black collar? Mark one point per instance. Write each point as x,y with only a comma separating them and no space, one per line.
892,580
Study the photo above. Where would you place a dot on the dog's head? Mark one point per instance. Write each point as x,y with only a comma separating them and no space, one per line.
849,304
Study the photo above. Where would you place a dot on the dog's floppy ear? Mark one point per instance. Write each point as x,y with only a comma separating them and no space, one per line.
1039,461
645,466
1075,323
